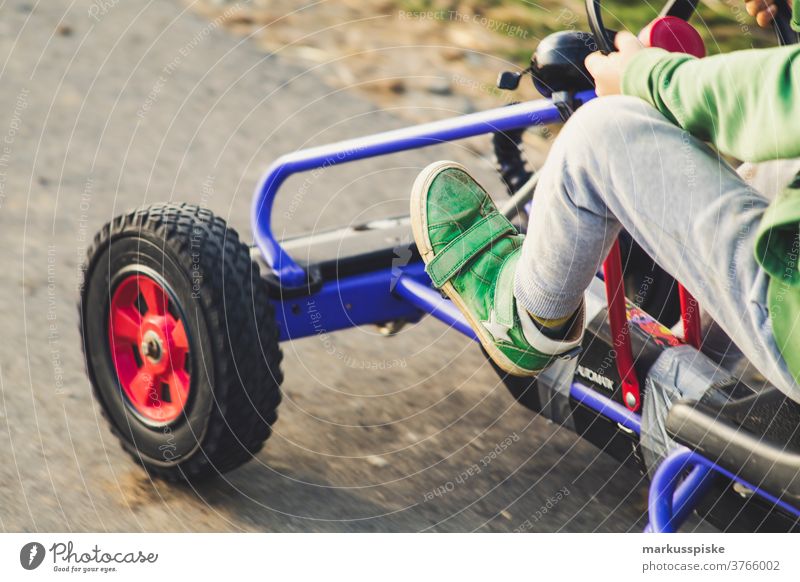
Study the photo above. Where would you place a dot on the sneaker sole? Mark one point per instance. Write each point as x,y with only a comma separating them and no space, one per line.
419,227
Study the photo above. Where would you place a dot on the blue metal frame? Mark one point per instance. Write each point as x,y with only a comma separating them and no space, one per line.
348,302
607,407
670,500
368,298
286,269
387,295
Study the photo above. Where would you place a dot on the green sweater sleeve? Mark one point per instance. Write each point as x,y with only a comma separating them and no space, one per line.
742,102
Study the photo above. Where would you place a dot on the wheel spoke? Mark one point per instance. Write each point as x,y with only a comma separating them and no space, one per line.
154,296
178,387
125,324
179,339
141,388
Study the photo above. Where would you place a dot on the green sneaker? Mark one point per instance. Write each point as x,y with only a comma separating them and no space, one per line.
471,252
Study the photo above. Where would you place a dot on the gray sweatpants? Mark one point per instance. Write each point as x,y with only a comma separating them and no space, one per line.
618,163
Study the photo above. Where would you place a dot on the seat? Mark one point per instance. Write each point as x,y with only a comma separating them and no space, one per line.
754,435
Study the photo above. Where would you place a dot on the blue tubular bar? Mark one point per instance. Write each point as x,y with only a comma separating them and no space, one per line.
430,300
665,495
689,493
347,302
286,269
607,407
373,297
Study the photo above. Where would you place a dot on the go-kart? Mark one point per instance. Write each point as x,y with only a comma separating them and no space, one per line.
181,322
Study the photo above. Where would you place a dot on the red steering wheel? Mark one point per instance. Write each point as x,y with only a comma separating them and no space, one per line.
672,32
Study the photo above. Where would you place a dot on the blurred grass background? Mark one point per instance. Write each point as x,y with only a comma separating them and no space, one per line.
431,59
724,24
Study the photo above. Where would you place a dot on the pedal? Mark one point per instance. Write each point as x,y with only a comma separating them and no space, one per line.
352,250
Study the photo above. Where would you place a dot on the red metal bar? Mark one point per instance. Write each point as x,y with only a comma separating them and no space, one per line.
620,331
690,317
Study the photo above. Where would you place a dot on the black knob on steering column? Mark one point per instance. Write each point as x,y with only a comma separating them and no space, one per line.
557,65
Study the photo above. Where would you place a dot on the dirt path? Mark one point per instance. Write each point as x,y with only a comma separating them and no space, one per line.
107,106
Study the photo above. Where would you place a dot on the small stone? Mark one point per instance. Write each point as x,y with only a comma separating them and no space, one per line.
376,461
452,54
441,87
396,86
506,514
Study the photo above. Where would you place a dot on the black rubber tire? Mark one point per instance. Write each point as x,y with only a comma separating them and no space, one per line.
235,383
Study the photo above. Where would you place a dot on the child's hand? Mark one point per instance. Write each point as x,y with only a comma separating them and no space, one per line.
763,10
607,69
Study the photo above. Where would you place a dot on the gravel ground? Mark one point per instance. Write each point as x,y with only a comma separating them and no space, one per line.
110,105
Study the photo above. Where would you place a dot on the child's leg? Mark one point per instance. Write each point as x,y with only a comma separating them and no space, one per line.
619,163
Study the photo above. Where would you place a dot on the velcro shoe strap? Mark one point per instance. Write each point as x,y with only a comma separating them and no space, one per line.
465,246
504,289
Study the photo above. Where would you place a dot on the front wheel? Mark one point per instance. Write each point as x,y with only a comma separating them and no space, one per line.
180,341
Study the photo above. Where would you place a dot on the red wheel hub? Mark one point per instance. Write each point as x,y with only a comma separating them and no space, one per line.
150,348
